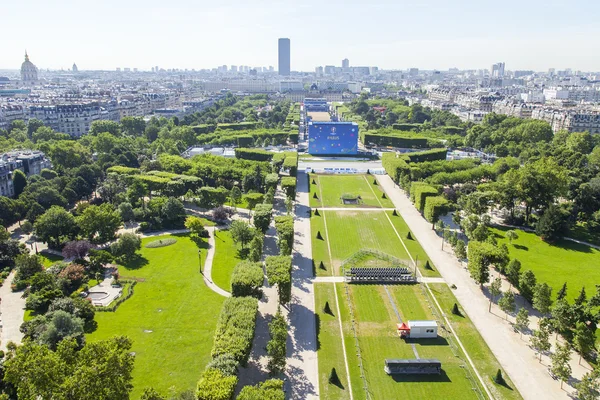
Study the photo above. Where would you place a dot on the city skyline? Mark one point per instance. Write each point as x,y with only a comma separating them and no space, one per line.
384,34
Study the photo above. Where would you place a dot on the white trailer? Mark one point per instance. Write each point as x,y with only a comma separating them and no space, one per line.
423,329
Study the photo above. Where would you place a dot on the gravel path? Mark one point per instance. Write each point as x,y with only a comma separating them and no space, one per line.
12,311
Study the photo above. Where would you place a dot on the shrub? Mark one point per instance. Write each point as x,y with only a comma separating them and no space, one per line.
288,184
253,154
235,328
271,181
420,193
435,206
214,385
247,280
285,234
279,272
333,377
126,246
225,363
409,236
262,216
327,309
455,310
428,266
291,163
160,243
276,347
271,389
499,379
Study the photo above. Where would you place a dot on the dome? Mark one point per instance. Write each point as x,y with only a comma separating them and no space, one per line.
29,71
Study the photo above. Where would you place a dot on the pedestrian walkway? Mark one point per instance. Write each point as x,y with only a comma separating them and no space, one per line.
303,368
12,311
210,255
328,279
516,358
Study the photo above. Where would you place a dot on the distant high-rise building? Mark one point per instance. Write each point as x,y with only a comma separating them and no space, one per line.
234,68
497,70
156,69
75,69
118,69
271,68
284,57
319,71
345,63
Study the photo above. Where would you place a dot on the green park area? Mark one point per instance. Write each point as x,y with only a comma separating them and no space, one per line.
346,191
557,263
226,258
369,309
171,317
351,231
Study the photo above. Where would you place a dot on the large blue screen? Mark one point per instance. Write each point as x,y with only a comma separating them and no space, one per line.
333,138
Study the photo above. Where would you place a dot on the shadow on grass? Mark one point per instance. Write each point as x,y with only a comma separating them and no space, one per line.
90,326
318,329
136,262
443,377
521,247
438,341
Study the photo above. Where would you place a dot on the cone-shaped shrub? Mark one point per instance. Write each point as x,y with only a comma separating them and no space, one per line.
395,213
315,195
317,212
333,377
319,235
455,309
327,309
409,236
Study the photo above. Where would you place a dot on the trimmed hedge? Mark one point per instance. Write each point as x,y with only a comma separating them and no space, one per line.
420,194
160,243
253,154
121,170
394,140
279,272
128,289
263,213
285,234
435,206
214,385
291,163
239,126
271,389
288,184
271,181
235,328
394,166
407,127
200,129
247,279
428,155
474,175
293,137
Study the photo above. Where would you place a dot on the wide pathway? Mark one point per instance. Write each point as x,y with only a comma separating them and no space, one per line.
303,369
12,311
518,360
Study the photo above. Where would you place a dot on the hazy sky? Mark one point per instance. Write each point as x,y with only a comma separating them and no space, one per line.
391,34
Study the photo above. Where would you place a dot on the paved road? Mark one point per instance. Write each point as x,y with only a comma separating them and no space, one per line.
517,359
12,311
303,369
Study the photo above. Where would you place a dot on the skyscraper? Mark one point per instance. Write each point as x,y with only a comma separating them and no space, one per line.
284,56
497,70
345,63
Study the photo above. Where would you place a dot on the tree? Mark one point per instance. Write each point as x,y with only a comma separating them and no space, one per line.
256,248
60,326
540,340
527,283
126,246
27,227
553,224
99,223
511,235
241,232
151,394
126,212
589,386
495,290
513,272
38,372
584,340
76,249
196,227
276,347
289,205
542,298
563,316
582,298
26,266
19,181
562,293
173,213
481,255
522,320
235,195
560,363
460,250
507,302
55,225
263,214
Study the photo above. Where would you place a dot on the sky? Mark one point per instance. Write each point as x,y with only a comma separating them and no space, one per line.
390,34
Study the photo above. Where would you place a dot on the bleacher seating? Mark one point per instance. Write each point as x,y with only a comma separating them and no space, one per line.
377,275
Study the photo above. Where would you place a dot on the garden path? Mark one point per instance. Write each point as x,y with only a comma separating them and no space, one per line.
517,359
12,311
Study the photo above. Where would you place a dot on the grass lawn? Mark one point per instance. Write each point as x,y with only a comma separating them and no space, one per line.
350,231
49,259
378,340
556,264
330,188
580,232
479,351
176,306
329,345
243,204
226,258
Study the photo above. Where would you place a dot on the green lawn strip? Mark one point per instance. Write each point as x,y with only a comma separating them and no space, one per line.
319,246
173,302
330,188
314,188
413,245
480,353
404,297
242,204
49,259
351,231
580,232
329,345
564,261
385,203
225,260
379,340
